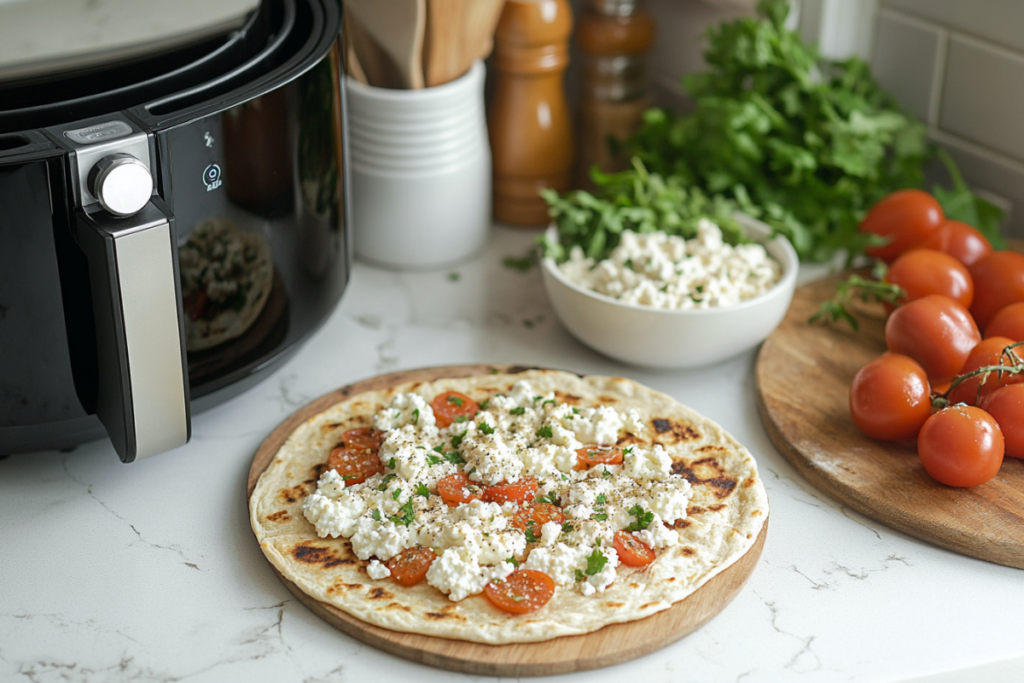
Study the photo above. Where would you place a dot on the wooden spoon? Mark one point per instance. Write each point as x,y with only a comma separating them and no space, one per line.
458,33
397,26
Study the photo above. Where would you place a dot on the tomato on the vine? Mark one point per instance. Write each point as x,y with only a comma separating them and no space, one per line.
1006,406
988,352
1009,322
961,446
921,272
934,330
890,398
905,216
964,243
998,282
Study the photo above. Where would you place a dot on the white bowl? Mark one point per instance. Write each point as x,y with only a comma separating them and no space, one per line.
663,338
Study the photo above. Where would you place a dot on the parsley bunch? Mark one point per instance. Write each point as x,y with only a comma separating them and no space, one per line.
804,144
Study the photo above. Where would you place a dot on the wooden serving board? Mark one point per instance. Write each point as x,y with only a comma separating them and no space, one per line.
610,645
803,379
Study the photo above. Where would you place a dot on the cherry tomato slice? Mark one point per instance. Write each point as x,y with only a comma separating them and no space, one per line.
450,406
890,398
906,216
998,282
522,491
1008,322
921,272
535,515
410,566
961,446
355,465
935,331
959,240
589,456
366,438
523,591
632,551
456,489
988,352
1006,406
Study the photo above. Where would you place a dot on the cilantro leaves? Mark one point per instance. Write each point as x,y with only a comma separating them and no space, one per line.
643,518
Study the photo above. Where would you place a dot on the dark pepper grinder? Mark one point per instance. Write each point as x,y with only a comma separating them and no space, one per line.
614,37
528,120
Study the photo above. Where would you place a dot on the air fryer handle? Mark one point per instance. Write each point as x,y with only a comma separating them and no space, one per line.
143,382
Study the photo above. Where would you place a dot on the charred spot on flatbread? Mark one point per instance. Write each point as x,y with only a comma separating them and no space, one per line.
706,472
315,473
293,494
398,606
687,551
279,516
627,439
308,552
673,431
566,397
680,523
378,593
340,586
448,612
607,400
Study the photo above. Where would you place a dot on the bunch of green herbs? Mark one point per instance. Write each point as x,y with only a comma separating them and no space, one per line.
636,200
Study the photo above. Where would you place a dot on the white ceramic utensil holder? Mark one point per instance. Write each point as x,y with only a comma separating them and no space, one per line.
421,172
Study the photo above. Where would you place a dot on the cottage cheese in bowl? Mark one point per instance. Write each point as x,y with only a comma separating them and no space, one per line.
667,271
660,301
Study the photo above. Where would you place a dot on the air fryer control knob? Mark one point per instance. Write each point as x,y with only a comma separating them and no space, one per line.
121,183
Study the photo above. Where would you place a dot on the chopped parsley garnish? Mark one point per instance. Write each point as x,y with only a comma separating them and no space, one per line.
550,400
579,576
346,477
537,398
601,499
384,482
530,536
627,451
460,418
575,412
407,517
600,516
566,527
438,449
550,499
605,473
518,410
456,400
457,439
513,561
391,464
454,457
470,473
643,518
485,404
422,490
397,494
415,416
376,515
484,427
517,598
434,460
544,432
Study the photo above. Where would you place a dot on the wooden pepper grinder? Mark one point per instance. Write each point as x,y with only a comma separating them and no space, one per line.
615,37
528,120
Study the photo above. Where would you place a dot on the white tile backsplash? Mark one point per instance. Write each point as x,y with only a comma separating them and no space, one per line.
999,21
906,60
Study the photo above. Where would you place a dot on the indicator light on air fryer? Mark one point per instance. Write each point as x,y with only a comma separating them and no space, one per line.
211,177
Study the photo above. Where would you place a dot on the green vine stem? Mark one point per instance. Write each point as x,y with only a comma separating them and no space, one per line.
834,309
1016,367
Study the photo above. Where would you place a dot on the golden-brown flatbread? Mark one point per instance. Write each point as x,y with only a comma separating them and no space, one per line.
724,516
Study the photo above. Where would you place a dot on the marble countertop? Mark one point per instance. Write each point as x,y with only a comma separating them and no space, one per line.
150,571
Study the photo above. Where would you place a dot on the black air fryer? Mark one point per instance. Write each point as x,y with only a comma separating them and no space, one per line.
172,228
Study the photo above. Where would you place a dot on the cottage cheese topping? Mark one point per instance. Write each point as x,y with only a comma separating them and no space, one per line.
666,271
512,437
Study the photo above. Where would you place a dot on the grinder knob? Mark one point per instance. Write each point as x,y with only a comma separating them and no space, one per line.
121,183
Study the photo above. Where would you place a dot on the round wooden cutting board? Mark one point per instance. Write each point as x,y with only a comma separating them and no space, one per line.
610,645
803,378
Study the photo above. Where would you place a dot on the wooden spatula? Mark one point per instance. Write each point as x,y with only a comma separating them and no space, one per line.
458,33
397,26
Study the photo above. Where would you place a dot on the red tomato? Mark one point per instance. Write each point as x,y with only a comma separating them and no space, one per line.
998,282
457,488
410,566
536,515
450,406
365,438
523,591
632,551
1009,322
935,331
906,216
890,398
988,352
520,492
961,446
588,456
921,272
355,465
959,240
1006,406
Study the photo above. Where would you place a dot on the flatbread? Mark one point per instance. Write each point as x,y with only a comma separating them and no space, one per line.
725,515
226,278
